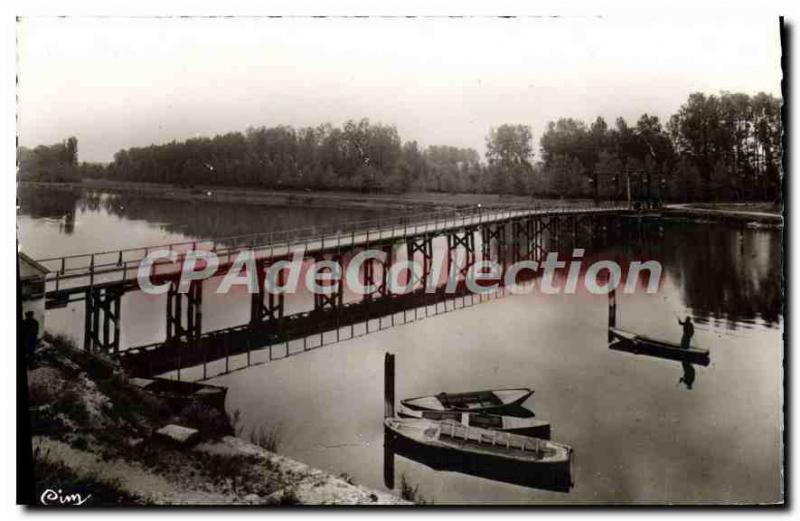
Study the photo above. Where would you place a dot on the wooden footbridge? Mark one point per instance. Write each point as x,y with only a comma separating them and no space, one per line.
100,279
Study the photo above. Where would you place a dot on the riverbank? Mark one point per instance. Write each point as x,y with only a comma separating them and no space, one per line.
754,213
96,434
760,214
417,201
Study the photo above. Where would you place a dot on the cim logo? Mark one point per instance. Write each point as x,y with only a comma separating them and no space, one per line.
53,497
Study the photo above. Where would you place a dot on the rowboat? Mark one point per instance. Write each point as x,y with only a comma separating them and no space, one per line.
449,435
642,345
556,478
475,401
525,426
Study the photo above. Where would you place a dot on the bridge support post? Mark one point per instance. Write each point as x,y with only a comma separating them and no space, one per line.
265,305
465,239
422,244
331,300
182,326
556,230
102,319
530,232
524,236
498,234
517,231
369,278
537,242
382,286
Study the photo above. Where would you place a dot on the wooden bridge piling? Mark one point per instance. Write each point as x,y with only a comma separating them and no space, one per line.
465,239
182,325
102,304
422,244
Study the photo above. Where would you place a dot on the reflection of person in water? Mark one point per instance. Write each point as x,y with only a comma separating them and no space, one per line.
688,375
688,332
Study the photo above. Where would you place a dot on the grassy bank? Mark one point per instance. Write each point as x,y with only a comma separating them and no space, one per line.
756,214
95,434
759,207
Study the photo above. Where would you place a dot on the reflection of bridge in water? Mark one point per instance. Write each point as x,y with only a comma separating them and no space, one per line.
505,236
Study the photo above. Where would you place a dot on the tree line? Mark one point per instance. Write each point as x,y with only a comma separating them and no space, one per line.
722,147
725,147
57,162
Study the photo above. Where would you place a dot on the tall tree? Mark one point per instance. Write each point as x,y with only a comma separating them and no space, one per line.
58,162
509,151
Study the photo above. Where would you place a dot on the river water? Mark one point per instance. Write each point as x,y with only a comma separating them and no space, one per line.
641,434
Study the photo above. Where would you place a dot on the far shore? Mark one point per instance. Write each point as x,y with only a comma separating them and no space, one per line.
735,213
762,212
408,200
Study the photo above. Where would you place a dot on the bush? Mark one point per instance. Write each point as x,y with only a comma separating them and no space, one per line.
266,438
287,497
410,493
210,422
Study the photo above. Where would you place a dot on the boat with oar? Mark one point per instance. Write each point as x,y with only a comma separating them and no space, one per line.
525,426
642,345
475,401
448,435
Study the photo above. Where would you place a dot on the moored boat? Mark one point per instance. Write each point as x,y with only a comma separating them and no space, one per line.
475,401
526,426
449,435
179,394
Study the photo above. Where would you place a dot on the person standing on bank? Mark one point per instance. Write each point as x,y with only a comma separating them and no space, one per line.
30,332
688,332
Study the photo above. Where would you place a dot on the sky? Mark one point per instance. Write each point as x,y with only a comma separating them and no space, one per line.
120,82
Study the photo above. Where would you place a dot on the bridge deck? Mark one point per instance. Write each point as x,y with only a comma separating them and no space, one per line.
77,273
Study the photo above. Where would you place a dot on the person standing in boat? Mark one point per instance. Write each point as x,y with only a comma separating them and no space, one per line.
688,332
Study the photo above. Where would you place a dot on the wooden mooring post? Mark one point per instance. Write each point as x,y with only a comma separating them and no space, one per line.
388,381
388,394
612,312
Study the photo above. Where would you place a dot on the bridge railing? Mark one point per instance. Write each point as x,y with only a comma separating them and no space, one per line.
66,263
124,261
